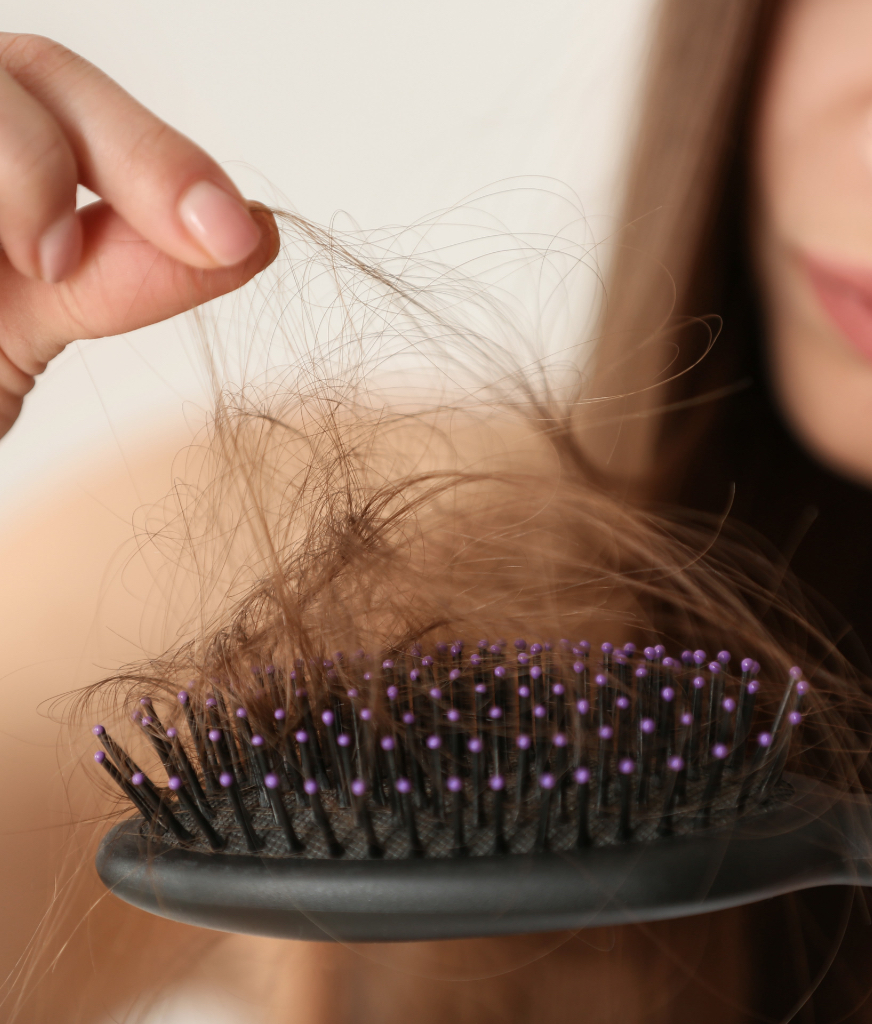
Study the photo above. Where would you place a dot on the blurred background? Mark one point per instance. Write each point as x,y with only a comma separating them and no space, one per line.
377,113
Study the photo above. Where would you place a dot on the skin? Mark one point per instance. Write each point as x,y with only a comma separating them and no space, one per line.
169,232
812,168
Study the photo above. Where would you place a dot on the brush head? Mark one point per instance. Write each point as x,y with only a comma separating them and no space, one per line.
446,768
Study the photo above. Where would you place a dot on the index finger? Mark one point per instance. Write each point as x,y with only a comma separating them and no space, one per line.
167,188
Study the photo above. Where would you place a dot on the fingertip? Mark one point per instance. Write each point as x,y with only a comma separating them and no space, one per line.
271,242
219,223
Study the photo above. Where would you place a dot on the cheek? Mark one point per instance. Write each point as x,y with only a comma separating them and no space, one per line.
824,388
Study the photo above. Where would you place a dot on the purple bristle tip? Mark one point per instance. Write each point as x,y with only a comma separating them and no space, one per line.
100,756
765,739
172,732
271,780
215,735
583,707
353,691
626,766
403,785
500,671
747,664
358,787
802,687
607,648
436,693
540,711
211,702
729,705
454,784
700,657
327,717
434,742
600,679
301,736
698,682
453,715
720,751
724,657
365,714
578,667
536,672
241,713
98,730
257,740
547,780
388,663
558,689
454,675
481,687
137,778
475,746
649,653
753,686
560,739
392,693
496,782
182,697
676,763
605,732
667,693
647,726
623,703
687,718
523,741
795,672
520,645
795,717
343,739
524,691
581,776
495,712
310,786
279,714
226,779
408,718
174,783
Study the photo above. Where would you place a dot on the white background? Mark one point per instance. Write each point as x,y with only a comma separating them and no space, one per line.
387,110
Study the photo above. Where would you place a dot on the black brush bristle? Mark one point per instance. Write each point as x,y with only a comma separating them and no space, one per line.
446,754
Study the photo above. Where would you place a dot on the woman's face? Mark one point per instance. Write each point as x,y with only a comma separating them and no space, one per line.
813,222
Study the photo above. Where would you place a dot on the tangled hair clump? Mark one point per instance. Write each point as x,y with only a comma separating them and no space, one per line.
332,515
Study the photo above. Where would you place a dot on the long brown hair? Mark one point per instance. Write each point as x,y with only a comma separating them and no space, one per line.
694,421
679,262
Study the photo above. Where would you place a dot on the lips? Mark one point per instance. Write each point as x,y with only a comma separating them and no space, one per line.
846,295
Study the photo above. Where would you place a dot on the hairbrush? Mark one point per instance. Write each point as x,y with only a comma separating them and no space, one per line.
518,788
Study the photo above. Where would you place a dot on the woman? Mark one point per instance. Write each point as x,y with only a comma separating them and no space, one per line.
747,200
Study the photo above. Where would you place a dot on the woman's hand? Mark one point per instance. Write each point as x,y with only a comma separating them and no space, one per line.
170,231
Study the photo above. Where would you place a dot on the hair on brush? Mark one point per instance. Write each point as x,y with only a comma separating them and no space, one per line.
425,783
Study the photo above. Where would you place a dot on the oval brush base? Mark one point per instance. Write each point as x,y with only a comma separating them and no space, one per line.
818,837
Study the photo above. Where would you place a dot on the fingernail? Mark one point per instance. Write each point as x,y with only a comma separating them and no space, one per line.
60,249
219,223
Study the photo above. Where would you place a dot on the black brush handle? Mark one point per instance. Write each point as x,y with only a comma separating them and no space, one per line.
820,838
